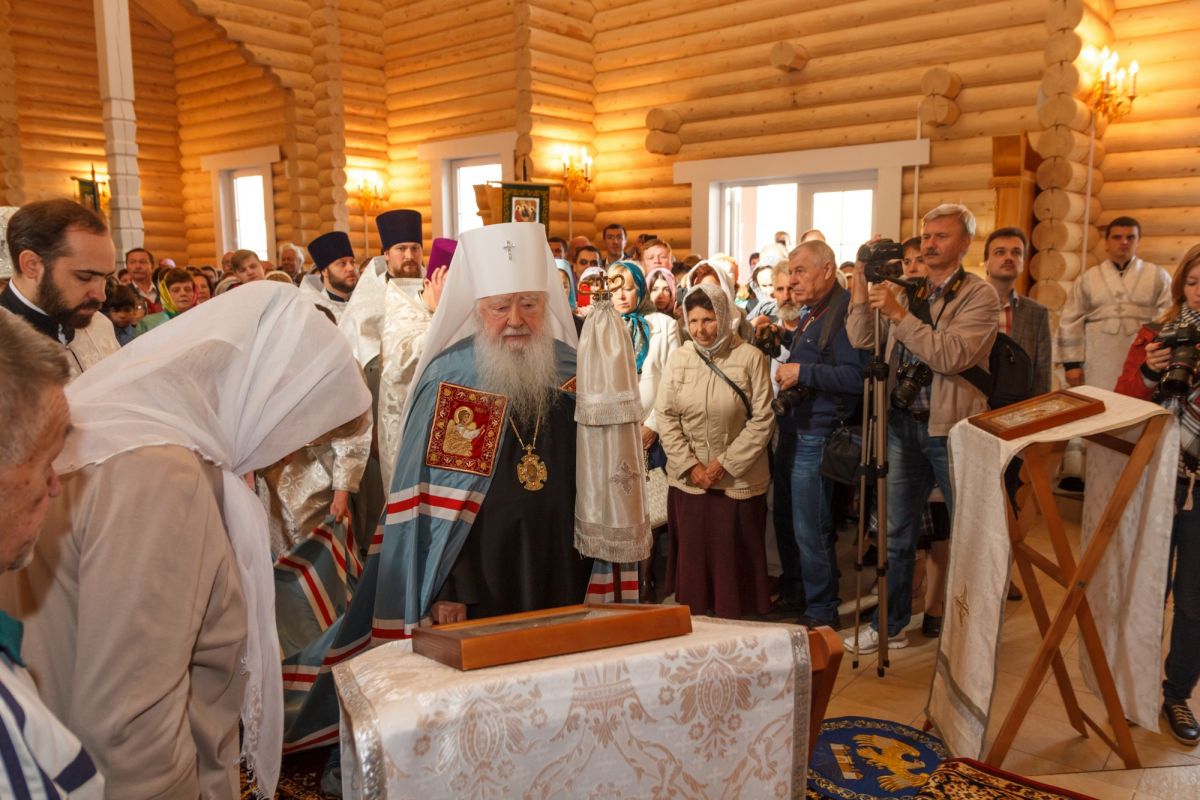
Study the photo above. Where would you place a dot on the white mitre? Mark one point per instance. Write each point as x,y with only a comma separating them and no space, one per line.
496,259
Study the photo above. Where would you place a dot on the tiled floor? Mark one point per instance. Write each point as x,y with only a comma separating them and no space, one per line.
1046,745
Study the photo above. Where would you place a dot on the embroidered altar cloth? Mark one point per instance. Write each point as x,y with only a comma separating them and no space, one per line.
721,712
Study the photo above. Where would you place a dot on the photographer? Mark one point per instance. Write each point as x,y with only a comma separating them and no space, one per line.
820,384
943,325
1161,366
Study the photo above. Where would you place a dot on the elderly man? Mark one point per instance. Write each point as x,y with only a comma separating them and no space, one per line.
823,362
935,332
140,263
151,624
62,257
481,512
38,749
335,272
291,260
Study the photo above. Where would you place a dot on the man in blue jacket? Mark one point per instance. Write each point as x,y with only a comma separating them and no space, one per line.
829,375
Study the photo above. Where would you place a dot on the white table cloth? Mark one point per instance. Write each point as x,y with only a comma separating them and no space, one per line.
721,712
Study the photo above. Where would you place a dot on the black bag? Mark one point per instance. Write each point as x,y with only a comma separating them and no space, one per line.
1009,377
843,449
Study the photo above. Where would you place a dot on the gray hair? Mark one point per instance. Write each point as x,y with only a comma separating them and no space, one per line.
30,364
818,248
295,248
954,210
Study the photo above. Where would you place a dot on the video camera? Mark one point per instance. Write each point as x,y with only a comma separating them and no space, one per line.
882,260
1180,375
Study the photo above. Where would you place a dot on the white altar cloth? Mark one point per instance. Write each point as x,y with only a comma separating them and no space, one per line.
721,712
1126,593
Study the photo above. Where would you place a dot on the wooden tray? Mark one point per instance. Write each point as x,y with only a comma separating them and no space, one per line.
512,638
1037,414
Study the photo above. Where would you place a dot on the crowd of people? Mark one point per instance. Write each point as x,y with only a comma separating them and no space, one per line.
228,463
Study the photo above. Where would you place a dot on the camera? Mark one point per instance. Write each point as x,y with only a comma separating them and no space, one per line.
1180,375
882,261
788,399
769,339
910,380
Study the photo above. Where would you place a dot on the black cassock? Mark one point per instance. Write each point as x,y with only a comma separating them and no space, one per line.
520,554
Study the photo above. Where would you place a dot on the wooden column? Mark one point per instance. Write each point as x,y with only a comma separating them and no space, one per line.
12,184
114,49
331,123
1014,179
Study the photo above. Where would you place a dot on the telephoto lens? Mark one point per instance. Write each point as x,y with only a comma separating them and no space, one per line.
910,380
788,399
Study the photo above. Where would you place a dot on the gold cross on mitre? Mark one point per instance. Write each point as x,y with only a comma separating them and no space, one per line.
509,246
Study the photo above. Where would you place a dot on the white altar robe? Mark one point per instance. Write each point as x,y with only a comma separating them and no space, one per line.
406,320
721,712
1104,311
1126,593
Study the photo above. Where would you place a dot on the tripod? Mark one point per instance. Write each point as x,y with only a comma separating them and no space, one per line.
873,468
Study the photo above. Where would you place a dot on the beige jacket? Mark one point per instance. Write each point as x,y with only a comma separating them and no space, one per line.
963,338
135,623
701,418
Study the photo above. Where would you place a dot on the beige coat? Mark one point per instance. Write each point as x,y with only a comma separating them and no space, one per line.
963,338
135,623
701,418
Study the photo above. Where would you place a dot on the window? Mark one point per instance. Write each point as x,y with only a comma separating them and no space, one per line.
243,200
467,173
753,215
249,209
844,214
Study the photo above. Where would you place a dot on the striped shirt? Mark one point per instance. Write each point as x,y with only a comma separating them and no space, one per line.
39,757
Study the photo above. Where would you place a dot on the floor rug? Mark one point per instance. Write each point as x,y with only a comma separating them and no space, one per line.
966,779
860,758
299,777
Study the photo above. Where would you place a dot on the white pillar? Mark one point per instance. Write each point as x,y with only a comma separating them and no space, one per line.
114,49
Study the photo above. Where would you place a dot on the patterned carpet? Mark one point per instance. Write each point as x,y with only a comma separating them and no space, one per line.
966,779
299,779
860,758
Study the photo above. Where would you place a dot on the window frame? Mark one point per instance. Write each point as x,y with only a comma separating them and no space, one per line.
223,167
441,155
454,166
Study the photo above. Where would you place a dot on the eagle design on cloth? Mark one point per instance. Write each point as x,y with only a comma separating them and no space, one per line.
891,755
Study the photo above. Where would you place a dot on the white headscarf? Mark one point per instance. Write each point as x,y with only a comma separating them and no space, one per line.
241,381
721,306
726,282
496,259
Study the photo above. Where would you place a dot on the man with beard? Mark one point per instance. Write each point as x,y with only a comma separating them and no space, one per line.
481,514
140,263
62,257
335,274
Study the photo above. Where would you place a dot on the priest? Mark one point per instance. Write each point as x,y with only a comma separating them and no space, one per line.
480,517
335,272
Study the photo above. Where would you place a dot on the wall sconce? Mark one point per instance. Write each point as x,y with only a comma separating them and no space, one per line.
367,187
1113,92
576,175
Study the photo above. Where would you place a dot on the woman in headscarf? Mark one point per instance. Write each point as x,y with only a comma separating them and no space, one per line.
706,272
715,421
178,294
567,276
149,604
663,292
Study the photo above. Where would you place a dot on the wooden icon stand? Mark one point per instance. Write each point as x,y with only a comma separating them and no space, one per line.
1041,462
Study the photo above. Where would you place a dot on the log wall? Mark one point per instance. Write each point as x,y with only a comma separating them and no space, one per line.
225,103
12,179
1152,167
444,87
861,65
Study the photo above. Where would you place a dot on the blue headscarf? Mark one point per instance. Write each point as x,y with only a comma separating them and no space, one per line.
639,328
565,268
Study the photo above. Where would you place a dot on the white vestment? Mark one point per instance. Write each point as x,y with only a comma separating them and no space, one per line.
313,288
1105,310
406,320
91,344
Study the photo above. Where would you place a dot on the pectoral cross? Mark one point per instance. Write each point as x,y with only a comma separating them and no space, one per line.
509,246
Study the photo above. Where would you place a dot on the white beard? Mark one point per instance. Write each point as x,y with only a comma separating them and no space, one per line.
789,312
526,374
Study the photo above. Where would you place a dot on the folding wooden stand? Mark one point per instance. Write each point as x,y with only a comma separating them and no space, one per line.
1041,461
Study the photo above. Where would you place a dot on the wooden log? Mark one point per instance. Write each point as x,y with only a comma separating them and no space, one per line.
554,44
1064,205
1136,194
1166,105
267,104
663,119
1062,142
1166,48
1059,235
1154,19
788,57
949,178
466,125
555,128
673,195
569,25
1059,173
940,80
1052,294
663,143
448,74
1066,77
244,74
1166,251
500,103
938,110
1070,112
1151,164
1177,221
553,86
1132,137
1063,46
556,65
494,44
1054,265
1074,15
